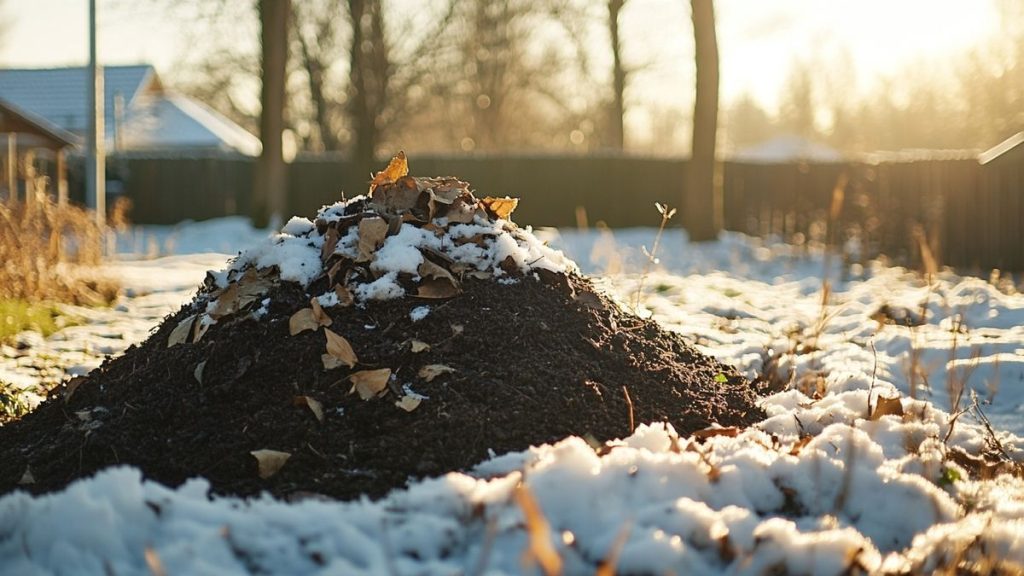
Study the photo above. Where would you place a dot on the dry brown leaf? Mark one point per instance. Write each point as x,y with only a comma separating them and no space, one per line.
509,266
153,562
430,270
409,403
318,313
431,371
330,243
27,478
198,372
301,321
436,288
181,332
799,445
478,239
269,461
500,207
70,388
398,167
371,235
887,406
730,432
418,346
345,297
539,531
462,210
227,303
313,404
330,362
338,347
402,196
202,324
370,383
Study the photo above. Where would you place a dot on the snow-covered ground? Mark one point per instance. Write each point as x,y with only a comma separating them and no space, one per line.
818,488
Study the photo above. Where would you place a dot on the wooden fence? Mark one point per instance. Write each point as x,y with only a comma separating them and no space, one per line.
971,215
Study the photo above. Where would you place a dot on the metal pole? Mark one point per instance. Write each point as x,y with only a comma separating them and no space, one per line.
12,168
95,165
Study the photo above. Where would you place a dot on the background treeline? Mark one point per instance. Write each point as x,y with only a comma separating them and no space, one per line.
557,75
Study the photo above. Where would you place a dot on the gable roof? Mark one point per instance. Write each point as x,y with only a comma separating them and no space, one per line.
153,118
788,148
40,131
58,94
1002,148
175,121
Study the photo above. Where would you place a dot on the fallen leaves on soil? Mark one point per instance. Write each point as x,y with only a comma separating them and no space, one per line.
370,383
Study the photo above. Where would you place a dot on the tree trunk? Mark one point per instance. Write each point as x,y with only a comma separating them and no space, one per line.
368,83
270,192
616,133
702,214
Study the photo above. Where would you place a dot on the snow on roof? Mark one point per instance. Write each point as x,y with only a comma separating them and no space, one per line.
788,148
176,121
1001,148
58,94
153,117
15,119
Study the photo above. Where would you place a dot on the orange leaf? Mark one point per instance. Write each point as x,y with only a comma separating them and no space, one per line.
500,207
398,167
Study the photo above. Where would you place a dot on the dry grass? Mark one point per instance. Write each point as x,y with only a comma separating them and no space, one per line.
47,253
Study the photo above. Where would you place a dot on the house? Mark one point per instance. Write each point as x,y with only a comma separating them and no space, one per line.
28,138
141,114
786,149
1009,152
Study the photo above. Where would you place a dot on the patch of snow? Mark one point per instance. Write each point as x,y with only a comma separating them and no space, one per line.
419,313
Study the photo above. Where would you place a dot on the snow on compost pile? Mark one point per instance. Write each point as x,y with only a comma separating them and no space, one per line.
397,229
874,494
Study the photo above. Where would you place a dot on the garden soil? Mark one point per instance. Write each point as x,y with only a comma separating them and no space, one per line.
532,362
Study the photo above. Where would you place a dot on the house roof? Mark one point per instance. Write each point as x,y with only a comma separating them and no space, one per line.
176,121
153,118
788,148
1001,148
58,94
40,130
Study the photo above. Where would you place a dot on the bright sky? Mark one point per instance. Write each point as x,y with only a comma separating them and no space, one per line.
759,39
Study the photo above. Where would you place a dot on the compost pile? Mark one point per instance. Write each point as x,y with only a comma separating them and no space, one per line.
407,333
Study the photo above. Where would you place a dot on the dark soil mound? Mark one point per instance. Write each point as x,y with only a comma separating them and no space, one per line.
308,365
532,364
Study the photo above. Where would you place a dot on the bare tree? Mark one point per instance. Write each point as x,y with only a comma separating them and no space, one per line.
316,30
270,191
616,136
702,215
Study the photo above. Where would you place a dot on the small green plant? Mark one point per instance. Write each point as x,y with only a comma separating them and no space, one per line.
20,315
949,476
12,405
666,215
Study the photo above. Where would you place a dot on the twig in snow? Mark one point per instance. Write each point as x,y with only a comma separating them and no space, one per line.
629,402
666,215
